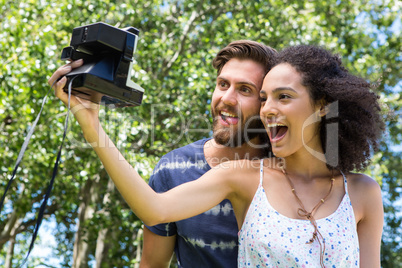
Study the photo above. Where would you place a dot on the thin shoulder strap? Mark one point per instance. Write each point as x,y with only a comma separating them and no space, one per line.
261,170
345,182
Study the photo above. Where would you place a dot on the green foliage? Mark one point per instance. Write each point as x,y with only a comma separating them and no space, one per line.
178,40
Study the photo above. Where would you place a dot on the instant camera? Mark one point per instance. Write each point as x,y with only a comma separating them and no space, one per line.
105,76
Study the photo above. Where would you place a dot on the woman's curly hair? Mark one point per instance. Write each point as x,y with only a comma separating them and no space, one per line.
355,107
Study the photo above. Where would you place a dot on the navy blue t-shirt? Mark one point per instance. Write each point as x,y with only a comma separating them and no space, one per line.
208,239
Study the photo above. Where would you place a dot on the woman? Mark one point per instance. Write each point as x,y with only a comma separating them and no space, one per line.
307,211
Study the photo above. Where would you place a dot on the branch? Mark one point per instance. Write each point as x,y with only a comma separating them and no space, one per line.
186,30
23,226
48,265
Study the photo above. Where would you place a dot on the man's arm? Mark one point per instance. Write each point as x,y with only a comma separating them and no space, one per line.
159,240
157,250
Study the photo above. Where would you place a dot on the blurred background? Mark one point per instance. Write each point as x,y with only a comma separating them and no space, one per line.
87,223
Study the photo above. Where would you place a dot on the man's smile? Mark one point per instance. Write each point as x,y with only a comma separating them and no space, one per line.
229,118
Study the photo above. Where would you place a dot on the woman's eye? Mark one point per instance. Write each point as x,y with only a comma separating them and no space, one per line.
263,99
284,96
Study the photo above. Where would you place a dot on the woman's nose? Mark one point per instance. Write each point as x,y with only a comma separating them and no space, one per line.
269,109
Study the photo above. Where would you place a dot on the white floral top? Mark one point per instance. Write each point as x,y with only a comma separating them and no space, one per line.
269,239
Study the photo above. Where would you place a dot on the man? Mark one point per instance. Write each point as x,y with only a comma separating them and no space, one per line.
210,239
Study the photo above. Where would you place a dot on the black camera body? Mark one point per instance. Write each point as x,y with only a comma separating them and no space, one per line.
105,76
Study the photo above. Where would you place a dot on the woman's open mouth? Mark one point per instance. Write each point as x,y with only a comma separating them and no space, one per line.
276,131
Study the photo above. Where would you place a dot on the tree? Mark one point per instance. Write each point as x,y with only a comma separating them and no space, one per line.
178,39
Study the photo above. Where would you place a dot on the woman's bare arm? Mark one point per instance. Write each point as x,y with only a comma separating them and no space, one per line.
184,201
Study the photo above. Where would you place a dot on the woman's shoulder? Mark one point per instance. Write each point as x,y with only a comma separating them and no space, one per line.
359,182
273,164
365,194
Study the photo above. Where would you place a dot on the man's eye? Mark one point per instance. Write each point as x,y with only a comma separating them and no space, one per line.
246,89
263,99
222,84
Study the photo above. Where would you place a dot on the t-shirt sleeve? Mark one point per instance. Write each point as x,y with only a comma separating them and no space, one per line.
160,181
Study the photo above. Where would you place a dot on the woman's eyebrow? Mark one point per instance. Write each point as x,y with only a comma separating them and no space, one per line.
278,89
282,89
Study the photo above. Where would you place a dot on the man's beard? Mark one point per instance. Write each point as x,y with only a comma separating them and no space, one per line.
244,132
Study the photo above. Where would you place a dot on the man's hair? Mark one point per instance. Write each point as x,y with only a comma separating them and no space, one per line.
359,118
245,49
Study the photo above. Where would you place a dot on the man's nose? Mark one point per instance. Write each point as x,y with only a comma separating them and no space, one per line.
230,97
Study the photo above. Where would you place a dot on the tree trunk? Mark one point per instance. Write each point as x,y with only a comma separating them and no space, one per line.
101,240
100,247
10,250
5,234
80,238
89,196
10,253
139,248
12,221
